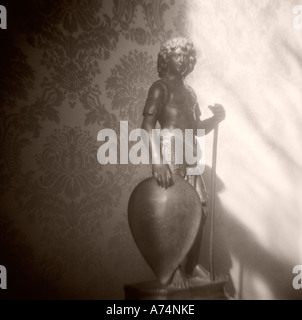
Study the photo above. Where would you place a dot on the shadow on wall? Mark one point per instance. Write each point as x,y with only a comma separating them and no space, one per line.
233,240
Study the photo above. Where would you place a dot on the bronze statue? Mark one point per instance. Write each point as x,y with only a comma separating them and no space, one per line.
174,105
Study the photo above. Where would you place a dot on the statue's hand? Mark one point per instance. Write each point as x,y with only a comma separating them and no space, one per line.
163,175
218,112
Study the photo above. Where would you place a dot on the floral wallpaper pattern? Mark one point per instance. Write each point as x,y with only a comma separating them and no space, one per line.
128,84
69,69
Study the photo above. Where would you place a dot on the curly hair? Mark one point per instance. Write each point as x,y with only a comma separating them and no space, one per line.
168,47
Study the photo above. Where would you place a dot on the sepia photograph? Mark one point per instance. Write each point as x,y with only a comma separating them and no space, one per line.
151,150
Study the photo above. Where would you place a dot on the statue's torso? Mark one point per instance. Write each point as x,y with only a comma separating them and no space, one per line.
178,110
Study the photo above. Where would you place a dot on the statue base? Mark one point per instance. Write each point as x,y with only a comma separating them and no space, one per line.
200,290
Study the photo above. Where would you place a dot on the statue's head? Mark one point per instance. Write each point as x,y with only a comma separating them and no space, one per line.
174,50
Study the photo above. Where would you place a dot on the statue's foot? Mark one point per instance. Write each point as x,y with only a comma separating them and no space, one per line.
201,272
179,280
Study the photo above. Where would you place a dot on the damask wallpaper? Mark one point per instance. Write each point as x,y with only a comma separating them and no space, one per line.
70,68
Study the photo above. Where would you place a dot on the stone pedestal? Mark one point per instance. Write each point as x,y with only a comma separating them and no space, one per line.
199,290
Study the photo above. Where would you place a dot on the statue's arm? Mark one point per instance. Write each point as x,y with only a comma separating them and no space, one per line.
209,123
157,97
152,110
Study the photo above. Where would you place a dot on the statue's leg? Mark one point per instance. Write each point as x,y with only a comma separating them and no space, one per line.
193,255
191,265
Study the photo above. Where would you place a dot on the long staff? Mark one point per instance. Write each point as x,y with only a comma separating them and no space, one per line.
213,193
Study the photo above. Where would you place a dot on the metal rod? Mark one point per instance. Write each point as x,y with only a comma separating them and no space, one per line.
213,193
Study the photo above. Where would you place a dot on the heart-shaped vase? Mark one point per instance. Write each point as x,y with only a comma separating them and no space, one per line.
164,223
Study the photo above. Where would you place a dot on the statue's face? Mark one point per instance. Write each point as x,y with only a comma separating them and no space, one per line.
179,61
